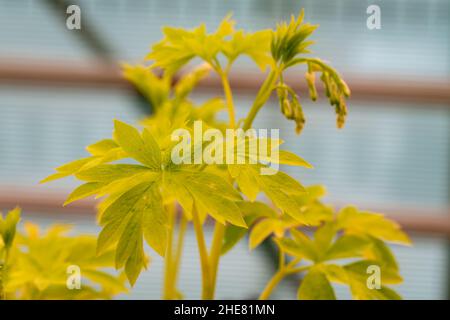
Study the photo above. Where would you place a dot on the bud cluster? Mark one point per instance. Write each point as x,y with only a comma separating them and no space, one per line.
336,89
290,106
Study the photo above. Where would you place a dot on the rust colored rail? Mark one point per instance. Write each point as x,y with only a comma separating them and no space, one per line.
33,200
100,75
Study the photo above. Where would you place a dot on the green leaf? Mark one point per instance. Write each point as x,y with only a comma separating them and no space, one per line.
101,147
39,265
8,226
289,158
109,281
373,224
67,169
214,195
83,191
380,252
323,236
336,273
315,286
301,246
252,211
360,291
232,236
347,246
261,231
246,181
188,82
313,194
135,214
358,270
109,172
136,261
255,45
180,46
155,89
141,148
154,221
386,293
174,187
282,190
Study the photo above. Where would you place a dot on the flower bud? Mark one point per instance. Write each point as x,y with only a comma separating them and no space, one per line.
287,109
310,80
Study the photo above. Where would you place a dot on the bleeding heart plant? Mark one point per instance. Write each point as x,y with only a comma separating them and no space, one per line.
153,198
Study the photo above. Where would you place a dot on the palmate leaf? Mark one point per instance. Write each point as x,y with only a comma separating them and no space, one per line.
380,252
344,237
300,246
83,191
132,210
210,192
39,265
154,88
374,224
347,246
136,214
102,151
180,46
389,275
313,213
330,243
190,80
285,192
355,276
252,212
315,286
279,224
262,230
255,45
142,148
8,227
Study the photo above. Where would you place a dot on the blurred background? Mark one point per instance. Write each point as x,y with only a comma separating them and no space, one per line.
60,90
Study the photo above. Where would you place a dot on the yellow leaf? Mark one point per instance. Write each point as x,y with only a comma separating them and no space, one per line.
101,147
347,246
83,191
261,231
315,286
141,148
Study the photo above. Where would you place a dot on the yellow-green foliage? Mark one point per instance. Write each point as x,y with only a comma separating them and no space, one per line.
139,196
35,264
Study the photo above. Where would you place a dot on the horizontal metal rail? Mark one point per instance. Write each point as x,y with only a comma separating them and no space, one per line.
101,75
45,202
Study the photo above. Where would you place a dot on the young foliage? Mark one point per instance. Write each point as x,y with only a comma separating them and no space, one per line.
35,265
141,193
351,234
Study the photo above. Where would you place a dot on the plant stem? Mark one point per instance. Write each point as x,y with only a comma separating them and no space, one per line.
283,271
204,261
262,96
3,274
229,99
216,248
179,249
167,292
277,277
219,229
